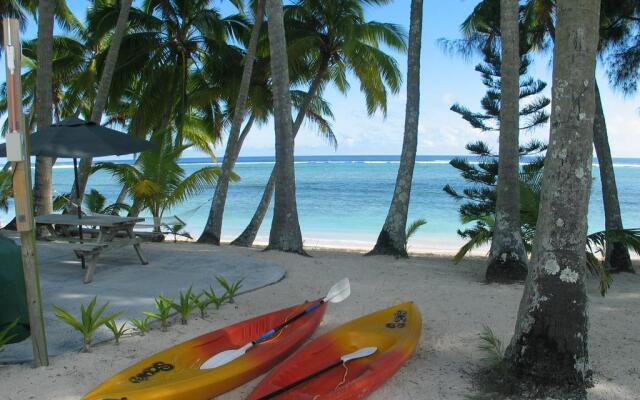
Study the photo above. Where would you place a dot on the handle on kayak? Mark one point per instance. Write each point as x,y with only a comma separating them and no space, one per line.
273,331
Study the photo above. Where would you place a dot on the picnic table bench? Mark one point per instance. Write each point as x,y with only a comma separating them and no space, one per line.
110,229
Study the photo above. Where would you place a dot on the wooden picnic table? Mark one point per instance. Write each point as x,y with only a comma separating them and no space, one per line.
110,229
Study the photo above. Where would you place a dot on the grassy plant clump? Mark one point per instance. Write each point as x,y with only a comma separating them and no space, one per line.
412,229
117,330
90,320
231,288
163,310
202,302
185,305
5,336
212,297
493,351
141,325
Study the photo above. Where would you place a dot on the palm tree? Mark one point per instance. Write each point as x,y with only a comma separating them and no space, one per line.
43,200
507,256
213,227
615,20
166,42
550,340
157,182
392,239
102,94
285,232
326,40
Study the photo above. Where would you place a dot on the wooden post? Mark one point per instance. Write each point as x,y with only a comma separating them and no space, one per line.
18,153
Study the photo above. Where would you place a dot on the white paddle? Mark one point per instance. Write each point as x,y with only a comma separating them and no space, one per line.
338,292
364,352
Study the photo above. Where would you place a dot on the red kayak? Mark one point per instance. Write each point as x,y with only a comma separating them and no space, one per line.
318,371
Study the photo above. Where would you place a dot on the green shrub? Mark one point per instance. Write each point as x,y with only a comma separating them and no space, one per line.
493,350
202,302
90,320
118,331
212,298
141,325
185,305
163,311
5,336
231,288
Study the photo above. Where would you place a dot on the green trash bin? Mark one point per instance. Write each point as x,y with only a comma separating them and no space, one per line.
13,295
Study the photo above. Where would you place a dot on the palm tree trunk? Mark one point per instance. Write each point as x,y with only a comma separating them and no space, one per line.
248,236
392,238
550,340
617,255
507,257
43,201
213,229
285,232
102,94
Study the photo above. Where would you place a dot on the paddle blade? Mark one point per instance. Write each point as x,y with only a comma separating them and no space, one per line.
225,357
364,352
339,291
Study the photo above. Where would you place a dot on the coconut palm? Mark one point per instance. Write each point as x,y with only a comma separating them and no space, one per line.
42,196
326,40
550,340
617,19
507,256
392,238
104,86
157,182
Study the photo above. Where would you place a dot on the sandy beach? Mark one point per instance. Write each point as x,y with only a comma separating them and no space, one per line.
454,301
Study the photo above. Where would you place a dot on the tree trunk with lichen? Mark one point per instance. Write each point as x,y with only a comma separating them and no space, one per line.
42,189
285,232
617,257
392,238
550,342
507,256
213,228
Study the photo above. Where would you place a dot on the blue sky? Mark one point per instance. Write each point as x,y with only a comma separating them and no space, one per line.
444,81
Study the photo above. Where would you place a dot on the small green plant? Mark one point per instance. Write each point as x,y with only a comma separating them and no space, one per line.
141,325
185,305
117,330
163,310
412,229
5,336
90,320
212,298
231,288
177,230
493,351
202,302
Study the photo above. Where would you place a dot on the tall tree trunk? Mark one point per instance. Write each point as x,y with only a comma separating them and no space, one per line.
617,255
102,94
213,229
42,192
392,238
507,257
550,340
285,232
248,236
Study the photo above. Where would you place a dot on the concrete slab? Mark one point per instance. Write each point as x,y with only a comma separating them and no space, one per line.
130,287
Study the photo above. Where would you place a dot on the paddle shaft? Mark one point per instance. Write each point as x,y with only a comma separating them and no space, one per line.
271,332
301,381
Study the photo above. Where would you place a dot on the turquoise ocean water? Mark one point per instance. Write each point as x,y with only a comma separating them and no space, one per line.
343,200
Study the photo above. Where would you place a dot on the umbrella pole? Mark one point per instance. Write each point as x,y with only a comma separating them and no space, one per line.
79,205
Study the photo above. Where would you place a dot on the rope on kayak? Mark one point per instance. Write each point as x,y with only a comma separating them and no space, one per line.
342,382
282,330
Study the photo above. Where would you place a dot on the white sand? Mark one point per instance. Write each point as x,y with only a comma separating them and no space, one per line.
455,306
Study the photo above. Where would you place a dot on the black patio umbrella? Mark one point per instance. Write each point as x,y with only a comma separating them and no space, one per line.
76,138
